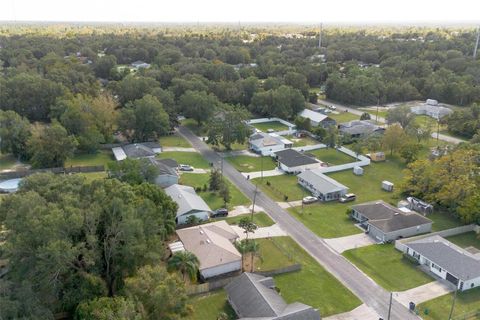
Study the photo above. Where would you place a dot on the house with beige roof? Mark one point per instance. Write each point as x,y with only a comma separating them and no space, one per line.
213,245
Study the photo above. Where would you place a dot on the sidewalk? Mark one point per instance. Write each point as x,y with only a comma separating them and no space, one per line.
180,149
268,173
288,205
350,242
239,210
362,312
423,293
265,232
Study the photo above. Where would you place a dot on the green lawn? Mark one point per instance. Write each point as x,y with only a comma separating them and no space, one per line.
301,142
313,285
282,185
382,112
212,198
209,306
191,158
261,219
275,125
93,176
251,164
90,159
469,239
344,116
443,220
384,264
174,140
331,156
271,256
7,161
439,308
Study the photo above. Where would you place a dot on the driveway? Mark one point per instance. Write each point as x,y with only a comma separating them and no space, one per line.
239,210
359,313
288,205
265,232
350,242
423,293
240,153
267,173
180,149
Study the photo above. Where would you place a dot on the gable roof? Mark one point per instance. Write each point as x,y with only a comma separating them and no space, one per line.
136,150
314,116
448,256
211,243
388,218
253,297
262,139
293,158
172,163
359,127
162,168
187,199
321,182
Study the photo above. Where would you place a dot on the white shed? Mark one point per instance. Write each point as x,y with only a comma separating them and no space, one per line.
358,171
387,185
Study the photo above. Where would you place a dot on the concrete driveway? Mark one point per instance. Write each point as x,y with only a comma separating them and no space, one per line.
363,312
350,242
267,173
179,149
265,232
423,293
239,210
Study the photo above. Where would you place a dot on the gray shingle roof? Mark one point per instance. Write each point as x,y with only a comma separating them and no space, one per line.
314,116
187,199
448,256
140,150
253,297
359,127
321,182
293,158
163,168
172,163
261,140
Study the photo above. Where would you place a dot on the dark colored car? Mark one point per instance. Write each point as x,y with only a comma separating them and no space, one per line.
219,213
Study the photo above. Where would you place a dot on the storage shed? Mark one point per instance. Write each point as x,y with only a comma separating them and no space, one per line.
358,171
387,185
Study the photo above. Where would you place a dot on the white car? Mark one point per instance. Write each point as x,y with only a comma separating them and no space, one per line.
309,199
333,107
185,167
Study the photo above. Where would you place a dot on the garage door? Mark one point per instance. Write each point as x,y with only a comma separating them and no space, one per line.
452,279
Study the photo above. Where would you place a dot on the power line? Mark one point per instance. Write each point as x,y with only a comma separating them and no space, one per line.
476,43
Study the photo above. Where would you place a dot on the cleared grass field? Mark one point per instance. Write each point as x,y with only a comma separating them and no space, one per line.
443,220
469,239
301,142
191,158
274,125
90,159
384,264
282,185
467,302
344,116
209,306
251,164
174,140
213,200
331,156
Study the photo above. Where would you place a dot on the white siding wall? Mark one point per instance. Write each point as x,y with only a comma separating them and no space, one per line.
468,284
221,269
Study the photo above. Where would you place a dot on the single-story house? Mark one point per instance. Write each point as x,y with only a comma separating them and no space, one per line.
317,118
447,261
359,128
189,203
433,111
292,161
268,143
321,186
167,172
212,244
140,64
253,296
384,222
137,150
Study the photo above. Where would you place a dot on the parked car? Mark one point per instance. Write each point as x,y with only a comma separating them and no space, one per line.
309,199
348,197
332,107
270,130
185,167
222,212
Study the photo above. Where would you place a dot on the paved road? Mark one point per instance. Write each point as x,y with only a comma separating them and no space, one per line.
361,285
343,108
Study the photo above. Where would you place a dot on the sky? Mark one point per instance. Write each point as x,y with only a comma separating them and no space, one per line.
295,11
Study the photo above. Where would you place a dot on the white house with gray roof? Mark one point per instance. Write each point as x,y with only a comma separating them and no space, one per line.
268,143
292,161
447,261
212,244
321,186
317,118
253,297
359,128
189,203
137,151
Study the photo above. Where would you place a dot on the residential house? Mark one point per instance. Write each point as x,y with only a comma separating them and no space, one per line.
189,203
433,111
268,143
212,244
292,161
317,118
167,172
447,261
140,64
385,223
359,128
253,296
321,186
137,150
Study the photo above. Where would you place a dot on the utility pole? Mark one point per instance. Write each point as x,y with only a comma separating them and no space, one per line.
254,199
476,43
261,168
376,116
453,303
320,36
390,306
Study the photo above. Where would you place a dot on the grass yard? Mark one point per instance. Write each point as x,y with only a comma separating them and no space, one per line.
343,116
275,125
312,285
469,239
90,159
261,219
331,156
439,308
194,159
174,140
443,220
209,306
382,112
7,161
89,177
212,198
384,264
301,142
251,164
282,185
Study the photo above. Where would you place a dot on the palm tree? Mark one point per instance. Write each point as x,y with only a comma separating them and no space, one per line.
253,249
186,263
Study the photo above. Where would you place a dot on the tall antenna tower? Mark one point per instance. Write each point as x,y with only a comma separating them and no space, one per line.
476,43
320,36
